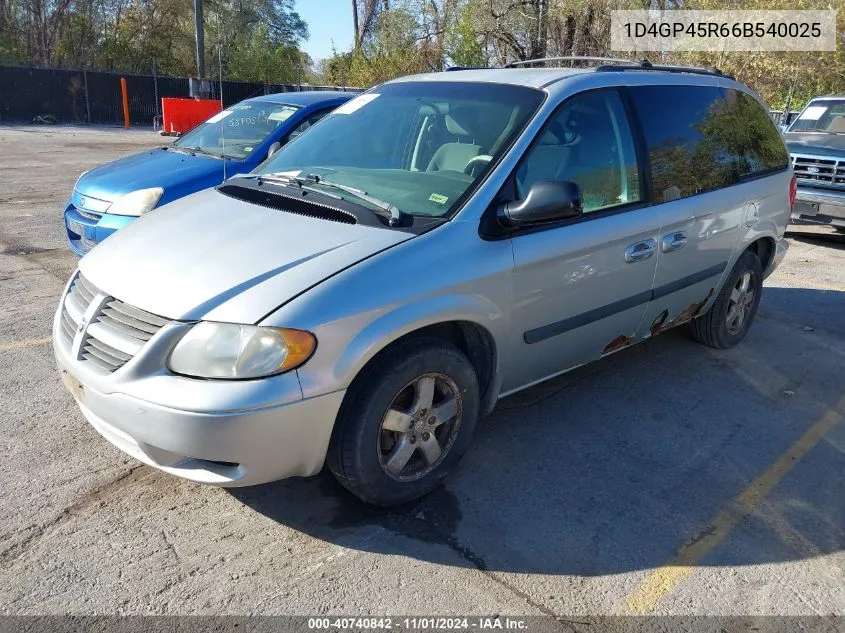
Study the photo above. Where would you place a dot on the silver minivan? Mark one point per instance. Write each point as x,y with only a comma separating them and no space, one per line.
433,245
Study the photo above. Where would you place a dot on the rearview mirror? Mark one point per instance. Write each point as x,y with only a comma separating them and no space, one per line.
275,147
547,201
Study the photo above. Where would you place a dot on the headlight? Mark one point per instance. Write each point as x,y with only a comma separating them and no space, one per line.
231,351
137,202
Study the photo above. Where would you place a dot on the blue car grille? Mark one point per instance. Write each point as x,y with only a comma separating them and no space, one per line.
89,207
111,336
88,214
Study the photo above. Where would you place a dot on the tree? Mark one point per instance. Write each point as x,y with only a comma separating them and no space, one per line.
259,39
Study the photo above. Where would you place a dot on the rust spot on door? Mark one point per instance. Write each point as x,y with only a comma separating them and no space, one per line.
689,313
618,343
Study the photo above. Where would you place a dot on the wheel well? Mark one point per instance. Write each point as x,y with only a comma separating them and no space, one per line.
764,248
472,339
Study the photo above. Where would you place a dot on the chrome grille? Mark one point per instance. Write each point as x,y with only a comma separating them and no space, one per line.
116,331
77,300
131,321
819,170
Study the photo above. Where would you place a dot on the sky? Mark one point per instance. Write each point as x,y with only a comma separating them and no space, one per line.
328,21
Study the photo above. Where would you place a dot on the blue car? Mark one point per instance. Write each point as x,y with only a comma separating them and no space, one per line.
233,141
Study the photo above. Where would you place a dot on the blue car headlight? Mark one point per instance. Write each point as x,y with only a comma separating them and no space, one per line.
137,202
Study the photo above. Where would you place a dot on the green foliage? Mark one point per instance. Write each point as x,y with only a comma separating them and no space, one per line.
393,49
256,40
464,45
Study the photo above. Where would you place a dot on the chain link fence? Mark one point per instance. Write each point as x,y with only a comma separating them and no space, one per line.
85,96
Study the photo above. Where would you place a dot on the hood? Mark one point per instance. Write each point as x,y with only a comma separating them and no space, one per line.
154,168
832,145
209,256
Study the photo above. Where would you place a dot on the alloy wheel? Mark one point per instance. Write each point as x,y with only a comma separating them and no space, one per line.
419,427
741,302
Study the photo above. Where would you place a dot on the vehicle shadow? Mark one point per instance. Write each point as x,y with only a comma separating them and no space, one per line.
818,235
616,466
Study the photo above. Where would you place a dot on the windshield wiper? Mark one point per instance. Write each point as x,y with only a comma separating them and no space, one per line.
200,150
287,181
394,215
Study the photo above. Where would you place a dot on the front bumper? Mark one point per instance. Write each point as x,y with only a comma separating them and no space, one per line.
223,433
85,229
819,206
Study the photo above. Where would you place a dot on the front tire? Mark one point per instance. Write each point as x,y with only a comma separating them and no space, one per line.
405,423
728,320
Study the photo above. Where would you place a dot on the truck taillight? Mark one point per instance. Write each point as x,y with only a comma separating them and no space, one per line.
793,191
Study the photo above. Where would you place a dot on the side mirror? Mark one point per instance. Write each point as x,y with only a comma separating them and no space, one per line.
275,147
782,127
547,201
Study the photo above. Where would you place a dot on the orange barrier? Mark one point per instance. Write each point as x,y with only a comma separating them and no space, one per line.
180,115
125,95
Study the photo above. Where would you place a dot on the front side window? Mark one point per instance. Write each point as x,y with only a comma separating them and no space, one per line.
587,141
822,115
235,131
702,138
417,146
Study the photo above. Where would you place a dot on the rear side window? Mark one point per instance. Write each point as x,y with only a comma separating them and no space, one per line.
758,147
701,138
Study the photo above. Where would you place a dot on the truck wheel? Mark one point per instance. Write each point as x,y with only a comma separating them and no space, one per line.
405,423
729,318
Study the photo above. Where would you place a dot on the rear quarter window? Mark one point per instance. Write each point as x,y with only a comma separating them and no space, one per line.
702,138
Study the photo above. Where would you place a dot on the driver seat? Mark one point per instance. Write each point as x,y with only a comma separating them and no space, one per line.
454,156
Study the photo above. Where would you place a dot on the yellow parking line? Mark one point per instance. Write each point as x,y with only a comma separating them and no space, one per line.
29,342
663,580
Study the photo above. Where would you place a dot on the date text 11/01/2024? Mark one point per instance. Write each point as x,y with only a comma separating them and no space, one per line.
425,623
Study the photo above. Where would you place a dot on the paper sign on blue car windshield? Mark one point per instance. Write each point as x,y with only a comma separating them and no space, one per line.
355,104
282,114
219,116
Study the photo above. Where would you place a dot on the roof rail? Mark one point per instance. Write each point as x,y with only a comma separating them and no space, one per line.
618,64
571,58
647,65
453,68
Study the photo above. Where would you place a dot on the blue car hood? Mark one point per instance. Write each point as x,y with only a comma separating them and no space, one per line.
178,173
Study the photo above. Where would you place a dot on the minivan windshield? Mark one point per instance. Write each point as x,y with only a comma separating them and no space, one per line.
235,131
418,146
821,116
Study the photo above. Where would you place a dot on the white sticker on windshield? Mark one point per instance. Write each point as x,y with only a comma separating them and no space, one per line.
281,115
358,102
813,113
219,116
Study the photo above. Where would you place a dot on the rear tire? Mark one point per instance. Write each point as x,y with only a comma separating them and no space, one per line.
405,423
729,318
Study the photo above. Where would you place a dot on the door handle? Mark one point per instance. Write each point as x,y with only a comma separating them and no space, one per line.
640,251
673,241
